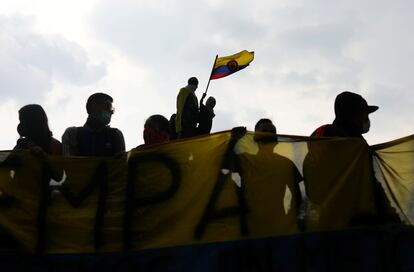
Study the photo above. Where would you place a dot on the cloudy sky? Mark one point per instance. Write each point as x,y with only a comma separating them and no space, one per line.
56,53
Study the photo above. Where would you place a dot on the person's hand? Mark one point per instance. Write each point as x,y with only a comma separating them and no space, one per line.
202,98
37,151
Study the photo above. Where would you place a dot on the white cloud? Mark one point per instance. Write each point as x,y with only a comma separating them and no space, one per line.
31,62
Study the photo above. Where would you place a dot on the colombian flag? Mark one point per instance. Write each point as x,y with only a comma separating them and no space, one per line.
225,66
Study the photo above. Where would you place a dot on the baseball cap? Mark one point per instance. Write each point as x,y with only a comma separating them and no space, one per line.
349,102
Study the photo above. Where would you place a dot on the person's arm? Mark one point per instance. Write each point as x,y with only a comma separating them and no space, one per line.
298,198
55,147
119,142
69,142
202,99
21,143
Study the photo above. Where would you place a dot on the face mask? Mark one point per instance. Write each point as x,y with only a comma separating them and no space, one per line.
155,136
105,117
365,126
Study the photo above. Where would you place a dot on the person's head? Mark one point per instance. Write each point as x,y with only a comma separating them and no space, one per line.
99,106
193,83
354,109
156,129
211,102
265,125
34,125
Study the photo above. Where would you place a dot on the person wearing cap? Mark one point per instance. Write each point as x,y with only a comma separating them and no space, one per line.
187,114
351,117
352,120
96,137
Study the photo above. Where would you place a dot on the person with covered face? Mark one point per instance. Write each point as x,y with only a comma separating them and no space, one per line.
156,130
34,131
95,137
351,120
351,117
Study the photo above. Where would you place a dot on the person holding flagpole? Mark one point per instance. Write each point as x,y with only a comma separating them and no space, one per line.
187,114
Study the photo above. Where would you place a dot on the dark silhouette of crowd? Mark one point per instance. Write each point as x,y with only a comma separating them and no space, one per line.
97,138
191,119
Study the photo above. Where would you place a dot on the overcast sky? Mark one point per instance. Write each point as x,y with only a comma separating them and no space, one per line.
56,53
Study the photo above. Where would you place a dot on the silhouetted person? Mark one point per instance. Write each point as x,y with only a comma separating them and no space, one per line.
206,115
156,130
34,131
268,176
351,117
96,137
187,114
351,120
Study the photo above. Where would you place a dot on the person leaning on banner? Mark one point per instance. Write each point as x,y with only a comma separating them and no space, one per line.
96,137
278,178
187,114
352,120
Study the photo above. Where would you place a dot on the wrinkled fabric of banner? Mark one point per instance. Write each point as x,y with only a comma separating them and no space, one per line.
394,169
201,190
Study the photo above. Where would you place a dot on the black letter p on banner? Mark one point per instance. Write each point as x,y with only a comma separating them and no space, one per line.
132,203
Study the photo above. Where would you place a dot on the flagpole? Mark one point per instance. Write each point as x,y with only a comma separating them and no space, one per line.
208,84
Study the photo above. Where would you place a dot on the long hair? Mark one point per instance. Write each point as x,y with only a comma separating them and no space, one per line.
34,126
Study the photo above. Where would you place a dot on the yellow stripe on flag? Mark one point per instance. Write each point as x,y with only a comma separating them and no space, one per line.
243,58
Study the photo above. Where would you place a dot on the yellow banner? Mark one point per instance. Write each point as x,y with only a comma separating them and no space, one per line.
394,169
206,189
